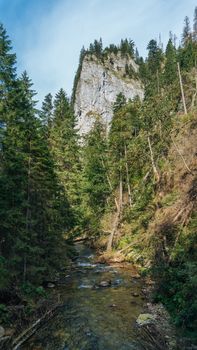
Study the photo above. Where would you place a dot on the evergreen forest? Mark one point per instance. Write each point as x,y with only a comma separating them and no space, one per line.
131,193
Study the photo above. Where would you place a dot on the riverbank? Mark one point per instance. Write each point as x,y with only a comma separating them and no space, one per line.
96,297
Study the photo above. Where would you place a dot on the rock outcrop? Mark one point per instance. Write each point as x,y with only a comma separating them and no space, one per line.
99,83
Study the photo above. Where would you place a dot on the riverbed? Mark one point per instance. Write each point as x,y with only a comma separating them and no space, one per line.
100,306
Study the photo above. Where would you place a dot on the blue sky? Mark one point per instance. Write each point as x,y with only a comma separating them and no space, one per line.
47,35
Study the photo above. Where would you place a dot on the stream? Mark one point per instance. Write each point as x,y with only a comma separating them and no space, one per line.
93,317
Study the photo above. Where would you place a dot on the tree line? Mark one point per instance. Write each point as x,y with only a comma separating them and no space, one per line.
52,186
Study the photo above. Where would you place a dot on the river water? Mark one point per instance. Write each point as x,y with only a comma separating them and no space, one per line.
93,317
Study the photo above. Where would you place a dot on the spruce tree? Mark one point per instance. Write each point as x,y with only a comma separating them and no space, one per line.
186,35
8,63
96,188
195,25
46,114
155,57
32,215
7,77
170,71
65,149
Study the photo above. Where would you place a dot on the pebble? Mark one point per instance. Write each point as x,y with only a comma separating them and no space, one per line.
104,283
112,305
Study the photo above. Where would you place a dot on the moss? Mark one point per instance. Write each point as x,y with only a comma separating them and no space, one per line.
144,319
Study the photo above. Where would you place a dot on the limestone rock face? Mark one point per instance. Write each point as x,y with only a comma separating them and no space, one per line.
99,84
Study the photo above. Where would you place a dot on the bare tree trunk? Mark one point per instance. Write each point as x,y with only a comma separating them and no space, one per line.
158,87
181,86
195,93
110,186
118,214
115,227
181,156
156,174
25,335
120,192
127,172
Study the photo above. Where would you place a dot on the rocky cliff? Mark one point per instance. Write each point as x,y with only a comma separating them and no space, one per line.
100,81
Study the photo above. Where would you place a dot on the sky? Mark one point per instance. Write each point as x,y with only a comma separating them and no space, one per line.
47,35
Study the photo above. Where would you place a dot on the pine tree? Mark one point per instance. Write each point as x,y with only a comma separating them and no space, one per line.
137,56
8,63
96,187
65,149
195,25
170,72
31,215
155,57
125,127
186,35
119,103
46,114
153,69
7,76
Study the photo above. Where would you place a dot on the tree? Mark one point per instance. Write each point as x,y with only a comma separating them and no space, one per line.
170,70
187,55
7,77
46,114
137,56
120,102
96,186
98,47
195,25
65,150
186,35
8,63
31,215
153,71
155,57
127,47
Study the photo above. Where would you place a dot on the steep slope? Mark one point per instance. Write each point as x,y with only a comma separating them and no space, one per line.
99,83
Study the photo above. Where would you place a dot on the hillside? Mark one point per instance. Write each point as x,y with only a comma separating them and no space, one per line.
130,193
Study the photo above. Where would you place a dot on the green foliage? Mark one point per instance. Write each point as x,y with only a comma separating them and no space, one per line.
170,72
95,188
186,31
46,114
130,72
35,208
178,280
50,185
4,277
155,57
126,47
4,314
64,147
30,291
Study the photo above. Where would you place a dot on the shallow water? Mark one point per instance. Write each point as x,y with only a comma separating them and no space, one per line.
93,317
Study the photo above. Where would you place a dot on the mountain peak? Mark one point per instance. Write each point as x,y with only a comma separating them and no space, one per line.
100,80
